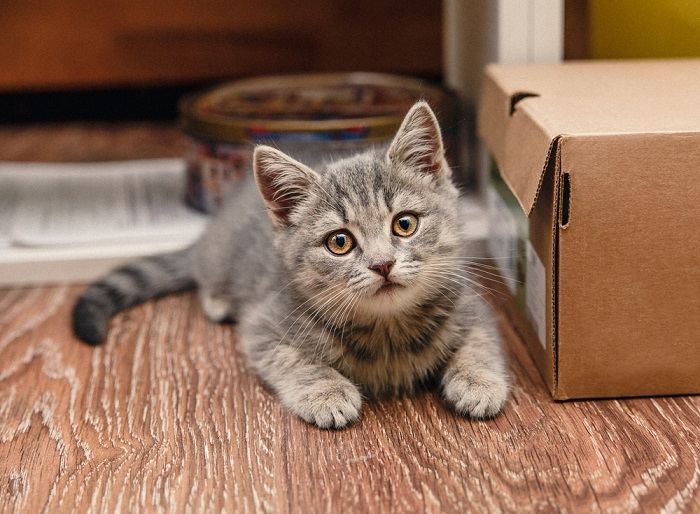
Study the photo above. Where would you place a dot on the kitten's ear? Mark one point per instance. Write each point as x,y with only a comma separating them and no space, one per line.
418,143
282,181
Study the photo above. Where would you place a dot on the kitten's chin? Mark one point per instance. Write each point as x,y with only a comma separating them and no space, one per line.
389,299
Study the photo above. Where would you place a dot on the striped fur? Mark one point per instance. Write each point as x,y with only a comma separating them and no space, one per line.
319,328
127,286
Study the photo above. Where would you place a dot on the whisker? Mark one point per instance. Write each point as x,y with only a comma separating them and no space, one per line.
453,277
491,277
339,314
485,275
332,292
324,291
353,311
465,261
322,338
435,287
353,300
481,273
356,280
362,285
309,324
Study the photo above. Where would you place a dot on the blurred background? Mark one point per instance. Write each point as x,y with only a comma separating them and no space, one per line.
130,59
100,80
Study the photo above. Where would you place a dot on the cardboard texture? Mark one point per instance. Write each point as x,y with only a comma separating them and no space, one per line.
603,159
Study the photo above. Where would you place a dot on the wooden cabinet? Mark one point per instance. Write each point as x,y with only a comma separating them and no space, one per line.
62,44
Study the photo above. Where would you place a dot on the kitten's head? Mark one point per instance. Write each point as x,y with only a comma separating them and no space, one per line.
376,233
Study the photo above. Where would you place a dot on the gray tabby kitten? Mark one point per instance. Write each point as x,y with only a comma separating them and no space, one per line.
354,289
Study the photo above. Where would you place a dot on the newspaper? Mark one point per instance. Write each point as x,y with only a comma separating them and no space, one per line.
90,213
74,222
92,203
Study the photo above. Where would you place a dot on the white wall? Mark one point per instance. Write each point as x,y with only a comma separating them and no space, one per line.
478,32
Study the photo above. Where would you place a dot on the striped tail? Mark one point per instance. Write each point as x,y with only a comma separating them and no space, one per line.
127,286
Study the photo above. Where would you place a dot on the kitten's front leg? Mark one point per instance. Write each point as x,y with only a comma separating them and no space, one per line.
476,381
315,392
312,390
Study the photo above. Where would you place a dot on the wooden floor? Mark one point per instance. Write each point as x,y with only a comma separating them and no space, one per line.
166,417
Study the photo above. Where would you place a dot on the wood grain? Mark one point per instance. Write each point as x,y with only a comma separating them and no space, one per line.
165,417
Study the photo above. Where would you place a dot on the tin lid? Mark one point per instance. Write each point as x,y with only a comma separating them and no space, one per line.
373,102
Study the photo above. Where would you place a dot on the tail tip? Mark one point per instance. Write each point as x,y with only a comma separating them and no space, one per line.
89,322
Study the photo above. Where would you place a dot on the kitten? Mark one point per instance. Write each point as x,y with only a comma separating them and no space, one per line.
351,285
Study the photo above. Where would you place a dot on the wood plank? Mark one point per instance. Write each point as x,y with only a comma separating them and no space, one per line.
166,415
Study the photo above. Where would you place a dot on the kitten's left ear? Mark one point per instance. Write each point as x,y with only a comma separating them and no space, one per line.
418,143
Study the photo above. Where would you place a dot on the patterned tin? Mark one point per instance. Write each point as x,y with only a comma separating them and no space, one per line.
311,117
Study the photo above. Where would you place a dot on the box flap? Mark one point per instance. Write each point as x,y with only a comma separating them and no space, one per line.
525,108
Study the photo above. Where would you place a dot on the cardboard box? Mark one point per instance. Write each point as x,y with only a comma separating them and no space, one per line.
595,201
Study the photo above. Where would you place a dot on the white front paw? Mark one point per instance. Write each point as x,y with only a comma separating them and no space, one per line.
479,395
216,308
329,404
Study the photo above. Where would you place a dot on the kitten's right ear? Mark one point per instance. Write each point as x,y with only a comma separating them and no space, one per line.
283,182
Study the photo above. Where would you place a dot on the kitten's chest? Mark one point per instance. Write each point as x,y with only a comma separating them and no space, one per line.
396,355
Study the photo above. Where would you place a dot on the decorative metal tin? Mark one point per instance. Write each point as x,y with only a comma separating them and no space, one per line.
311,117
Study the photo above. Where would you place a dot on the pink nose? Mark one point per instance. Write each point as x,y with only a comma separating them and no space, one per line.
383,268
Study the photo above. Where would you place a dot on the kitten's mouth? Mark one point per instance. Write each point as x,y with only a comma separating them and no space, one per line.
388,287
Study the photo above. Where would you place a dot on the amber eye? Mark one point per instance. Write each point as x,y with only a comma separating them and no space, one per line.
405,224
340,242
